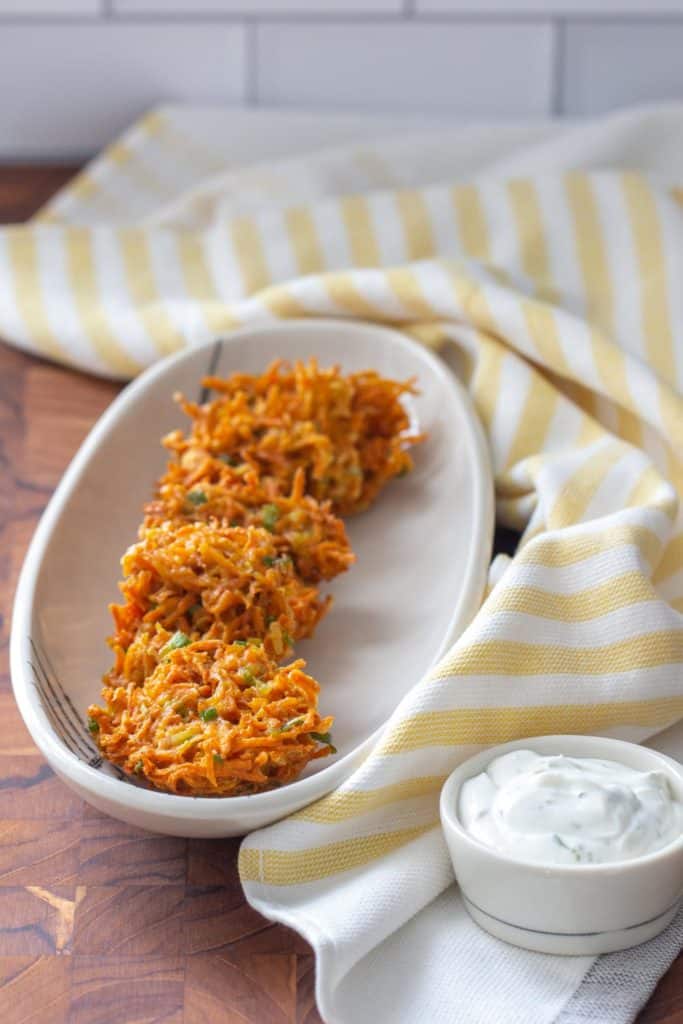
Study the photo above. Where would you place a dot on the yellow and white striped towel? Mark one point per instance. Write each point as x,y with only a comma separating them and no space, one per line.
561,291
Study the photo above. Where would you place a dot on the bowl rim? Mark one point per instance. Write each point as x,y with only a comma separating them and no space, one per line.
303,791
450,796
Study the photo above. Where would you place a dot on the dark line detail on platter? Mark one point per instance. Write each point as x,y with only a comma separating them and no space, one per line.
569,935
51,713
75,715
93,756
47,707
73,727
216,350
55,715
71,740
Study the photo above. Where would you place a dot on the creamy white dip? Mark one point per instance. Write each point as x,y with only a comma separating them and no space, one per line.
553,809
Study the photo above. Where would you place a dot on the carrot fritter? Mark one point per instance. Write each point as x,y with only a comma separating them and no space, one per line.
349,435
200,488
214,719
202,580
221,582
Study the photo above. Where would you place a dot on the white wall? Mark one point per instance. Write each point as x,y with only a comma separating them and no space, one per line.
73,73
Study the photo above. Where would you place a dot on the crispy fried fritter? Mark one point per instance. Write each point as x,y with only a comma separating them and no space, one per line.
202,580
220,583
348,434
202,488
214,719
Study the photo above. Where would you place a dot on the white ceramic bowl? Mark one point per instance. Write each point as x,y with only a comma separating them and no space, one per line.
422,557
573,909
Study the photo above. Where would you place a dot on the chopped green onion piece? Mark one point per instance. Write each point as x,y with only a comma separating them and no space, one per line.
326,738
208,714
268,560
181,710
247,674
240,643
255,641
93,726
218,759
197,498
183,737
138,767
178,640
291,724
269,516
286,638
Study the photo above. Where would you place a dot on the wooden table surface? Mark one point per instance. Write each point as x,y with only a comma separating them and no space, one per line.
101,923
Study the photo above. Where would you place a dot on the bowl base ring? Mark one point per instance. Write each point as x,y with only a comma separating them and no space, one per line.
563,944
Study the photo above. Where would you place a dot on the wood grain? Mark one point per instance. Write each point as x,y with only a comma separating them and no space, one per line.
101,923
146,990
36,988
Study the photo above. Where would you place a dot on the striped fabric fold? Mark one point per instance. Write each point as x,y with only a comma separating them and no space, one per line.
557,295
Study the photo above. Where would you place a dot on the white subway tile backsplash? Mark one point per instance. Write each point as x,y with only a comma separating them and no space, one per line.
50,7
476,69
612,64
74,73
251,7
608,8
71,88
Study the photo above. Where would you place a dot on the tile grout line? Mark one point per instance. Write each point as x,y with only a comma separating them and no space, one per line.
407,14
251,59
558,68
